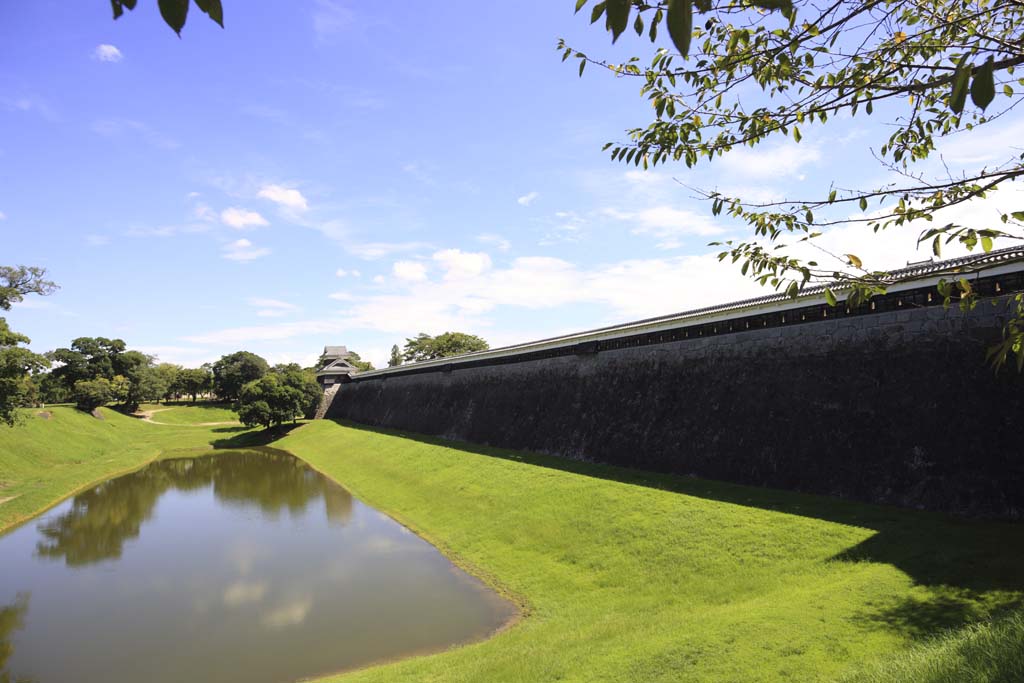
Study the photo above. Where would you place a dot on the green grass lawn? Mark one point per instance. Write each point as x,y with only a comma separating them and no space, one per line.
626,576
633,577
191,413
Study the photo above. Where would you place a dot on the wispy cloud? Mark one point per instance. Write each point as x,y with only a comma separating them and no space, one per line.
341,272
34,105
118,127
330,18
769,160
499,242
667,224
376,250
272,308
107,53
241,219
244,250
97,240
527,198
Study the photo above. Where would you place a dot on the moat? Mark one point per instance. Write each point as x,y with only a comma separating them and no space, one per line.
233,566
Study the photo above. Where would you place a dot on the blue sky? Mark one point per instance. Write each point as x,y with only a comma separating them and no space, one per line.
331,172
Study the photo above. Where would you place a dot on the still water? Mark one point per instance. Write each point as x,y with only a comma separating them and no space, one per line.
238,566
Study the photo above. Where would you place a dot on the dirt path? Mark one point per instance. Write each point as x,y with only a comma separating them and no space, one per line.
147,416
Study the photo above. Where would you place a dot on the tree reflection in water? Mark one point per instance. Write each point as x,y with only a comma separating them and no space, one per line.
102,519
12,617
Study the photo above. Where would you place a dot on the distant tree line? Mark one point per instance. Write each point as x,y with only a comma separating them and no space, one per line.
425,347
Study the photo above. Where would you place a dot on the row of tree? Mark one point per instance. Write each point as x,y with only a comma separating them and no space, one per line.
425,347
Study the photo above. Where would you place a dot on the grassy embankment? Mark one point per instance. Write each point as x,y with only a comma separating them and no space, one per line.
626,576
633,577
45,460
190,413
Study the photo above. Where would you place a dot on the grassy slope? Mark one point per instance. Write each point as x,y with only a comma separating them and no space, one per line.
628,577
190,414
43,461
632,577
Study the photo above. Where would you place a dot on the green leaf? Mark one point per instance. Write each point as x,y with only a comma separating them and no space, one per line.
617,16
830,297
937,246
119,6
174,13
854,260
958,96
583,65
986,244
680,24
580,4
983,87
597,12
213,9
793,290
863,203
1018,215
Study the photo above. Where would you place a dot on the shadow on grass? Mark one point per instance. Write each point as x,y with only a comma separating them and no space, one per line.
971,568
245,437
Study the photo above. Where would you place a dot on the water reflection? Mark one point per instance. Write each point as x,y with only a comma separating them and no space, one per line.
99,521
232,567
12,617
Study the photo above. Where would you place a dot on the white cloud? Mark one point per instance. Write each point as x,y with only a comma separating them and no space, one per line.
107,53
459,265
376,250
527,198
769,160
341,272
378,279
271,332
409,271
667,224
182,355
243,250
272,308
240,219
97,240
341,296
499,242
287,197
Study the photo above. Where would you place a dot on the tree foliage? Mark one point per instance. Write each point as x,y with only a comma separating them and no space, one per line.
175,12
425,347
396,357
90,394
195,381
235,370
17,362
739,73
270,401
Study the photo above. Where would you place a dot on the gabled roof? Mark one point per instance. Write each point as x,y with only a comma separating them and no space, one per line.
338,366
335,351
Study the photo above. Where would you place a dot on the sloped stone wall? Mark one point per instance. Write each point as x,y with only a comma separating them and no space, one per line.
897,407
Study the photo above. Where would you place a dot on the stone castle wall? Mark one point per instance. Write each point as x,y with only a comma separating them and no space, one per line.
897,407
